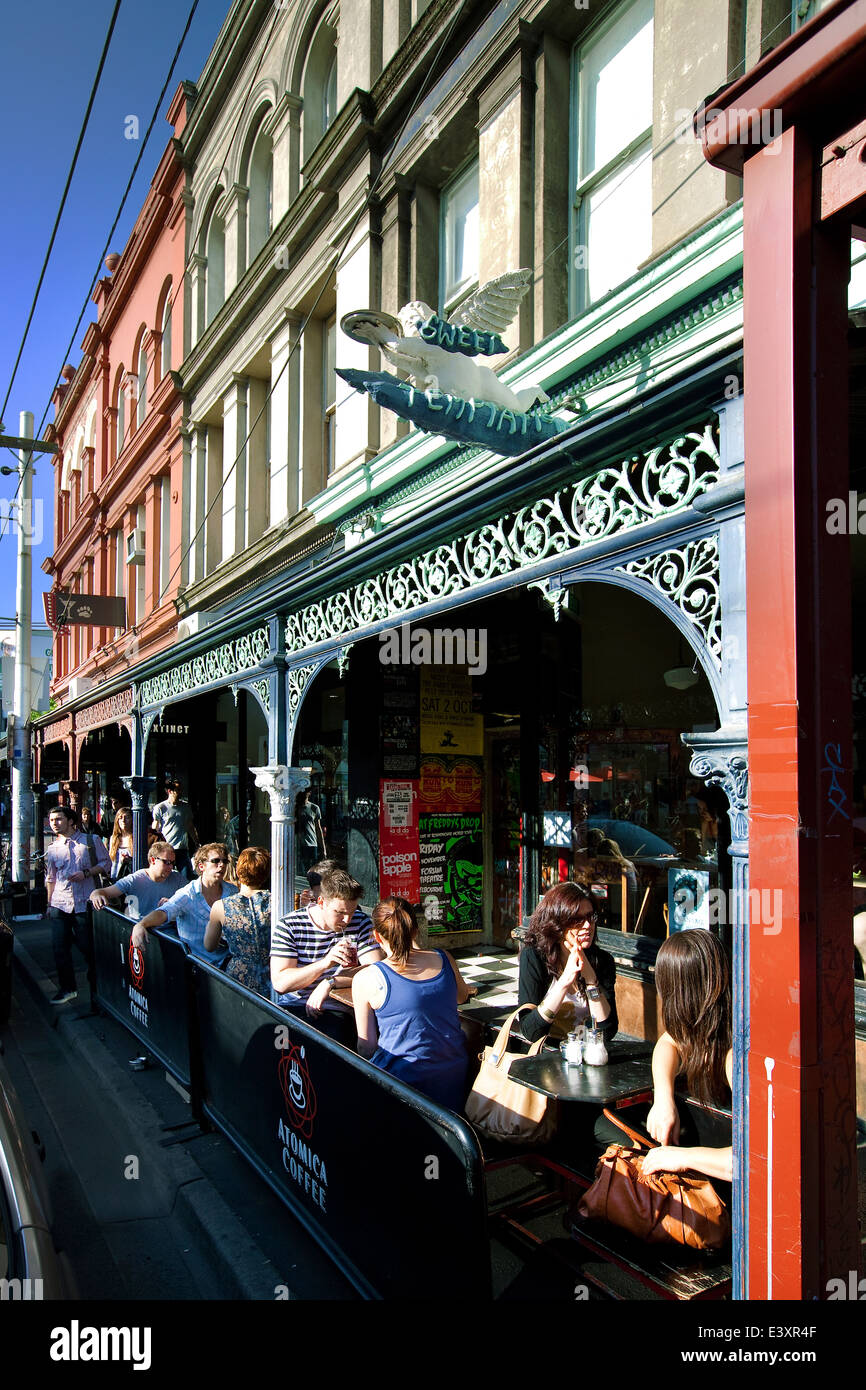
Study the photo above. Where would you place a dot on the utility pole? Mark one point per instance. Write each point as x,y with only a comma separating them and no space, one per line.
22,769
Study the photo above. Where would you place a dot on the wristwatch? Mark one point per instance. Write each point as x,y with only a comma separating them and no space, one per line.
592,993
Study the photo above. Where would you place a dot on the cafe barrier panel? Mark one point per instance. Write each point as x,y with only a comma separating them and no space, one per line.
390,1184
147,991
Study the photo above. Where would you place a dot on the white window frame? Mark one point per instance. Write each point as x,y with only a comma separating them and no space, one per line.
450,294
587,182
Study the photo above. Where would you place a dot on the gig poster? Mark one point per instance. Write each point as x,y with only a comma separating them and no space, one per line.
450,784
451,871
399,855
449,723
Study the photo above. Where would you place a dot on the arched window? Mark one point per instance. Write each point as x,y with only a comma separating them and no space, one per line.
165,330
141,408
261,186
214,242
329,95
319,87
120,430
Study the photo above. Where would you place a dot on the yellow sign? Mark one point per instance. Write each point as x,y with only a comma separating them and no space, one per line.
448,724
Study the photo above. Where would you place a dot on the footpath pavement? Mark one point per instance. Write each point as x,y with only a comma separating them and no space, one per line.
146,1205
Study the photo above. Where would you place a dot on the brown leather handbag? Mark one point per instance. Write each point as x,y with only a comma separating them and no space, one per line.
661,1208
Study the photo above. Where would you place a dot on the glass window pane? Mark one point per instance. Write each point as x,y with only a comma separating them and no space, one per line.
615,76
460,225
616,226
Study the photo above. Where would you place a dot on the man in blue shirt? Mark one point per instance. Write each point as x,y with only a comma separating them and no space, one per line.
190,906
146,888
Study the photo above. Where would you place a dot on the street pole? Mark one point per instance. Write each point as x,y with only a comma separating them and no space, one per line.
22,797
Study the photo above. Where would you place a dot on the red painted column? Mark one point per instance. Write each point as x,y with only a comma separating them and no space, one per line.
802,1223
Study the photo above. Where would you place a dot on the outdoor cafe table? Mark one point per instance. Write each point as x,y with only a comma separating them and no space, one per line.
625,1076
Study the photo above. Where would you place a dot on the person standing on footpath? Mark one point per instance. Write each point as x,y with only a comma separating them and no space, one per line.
172,821
71,864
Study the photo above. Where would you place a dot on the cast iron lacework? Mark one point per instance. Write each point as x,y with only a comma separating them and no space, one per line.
241,654
689,578
299,676
105,711
641,488
263,689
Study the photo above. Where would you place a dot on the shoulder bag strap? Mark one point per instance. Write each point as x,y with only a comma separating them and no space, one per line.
500,1047
632,1133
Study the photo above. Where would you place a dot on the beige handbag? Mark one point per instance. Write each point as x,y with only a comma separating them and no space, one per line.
504,1109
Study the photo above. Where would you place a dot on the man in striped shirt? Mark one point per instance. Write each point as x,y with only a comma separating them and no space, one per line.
321,946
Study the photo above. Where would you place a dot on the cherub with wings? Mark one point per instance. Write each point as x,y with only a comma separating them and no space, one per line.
490,309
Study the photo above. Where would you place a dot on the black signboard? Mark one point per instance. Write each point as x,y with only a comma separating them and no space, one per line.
147,991
88,610
390,1184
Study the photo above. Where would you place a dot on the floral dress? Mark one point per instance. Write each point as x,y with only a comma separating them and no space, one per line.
247,931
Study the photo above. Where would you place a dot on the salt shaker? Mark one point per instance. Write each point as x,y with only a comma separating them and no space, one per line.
573,1048
595,1052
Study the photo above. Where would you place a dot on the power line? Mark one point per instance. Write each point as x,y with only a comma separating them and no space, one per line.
135,168
69,175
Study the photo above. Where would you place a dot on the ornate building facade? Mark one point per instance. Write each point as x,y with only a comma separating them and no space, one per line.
355,156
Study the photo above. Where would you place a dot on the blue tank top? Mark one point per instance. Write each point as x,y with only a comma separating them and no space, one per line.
420,1038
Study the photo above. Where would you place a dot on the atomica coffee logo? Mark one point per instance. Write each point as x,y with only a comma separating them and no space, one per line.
137,1001
136,963
306,1167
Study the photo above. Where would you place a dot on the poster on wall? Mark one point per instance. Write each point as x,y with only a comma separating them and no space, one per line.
399,854
448,721
398,722
688,899
450,784
451,871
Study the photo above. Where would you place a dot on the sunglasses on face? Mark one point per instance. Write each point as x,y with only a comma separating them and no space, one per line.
160,860
215,861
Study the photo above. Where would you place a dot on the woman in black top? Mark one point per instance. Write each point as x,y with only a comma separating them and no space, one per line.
562,971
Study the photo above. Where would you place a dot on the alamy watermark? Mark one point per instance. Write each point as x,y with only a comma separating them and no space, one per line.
752,127
27,515
718,907
846,516
438,646
851,1289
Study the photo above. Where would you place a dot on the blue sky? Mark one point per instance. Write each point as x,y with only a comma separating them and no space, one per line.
51,55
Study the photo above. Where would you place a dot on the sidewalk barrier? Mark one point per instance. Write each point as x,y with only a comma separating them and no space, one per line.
147,991
390,1184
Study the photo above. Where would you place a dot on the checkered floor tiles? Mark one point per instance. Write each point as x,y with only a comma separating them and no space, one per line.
494,974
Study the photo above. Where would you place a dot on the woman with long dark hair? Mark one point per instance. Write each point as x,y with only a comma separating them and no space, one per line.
693,980
563,972
406,1009
120,847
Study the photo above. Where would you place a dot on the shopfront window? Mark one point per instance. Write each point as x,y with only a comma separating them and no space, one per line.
617,805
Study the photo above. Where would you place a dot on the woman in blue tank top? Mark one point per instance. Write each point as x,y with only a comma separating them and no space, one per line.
406,1009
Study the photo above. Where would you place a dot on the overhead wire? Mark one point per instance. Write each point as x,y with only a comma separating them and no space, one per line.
662,144
69,176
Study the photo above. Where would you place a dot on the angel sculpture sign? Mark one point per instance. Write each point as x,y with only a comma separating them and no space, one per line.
452,394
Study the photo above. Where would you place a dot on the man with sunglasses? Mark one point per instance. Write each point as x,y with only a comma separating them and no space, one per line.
147,888
190,907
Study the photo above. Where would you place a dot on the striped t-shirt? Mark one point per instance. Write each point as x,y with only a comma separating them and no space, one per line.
298,937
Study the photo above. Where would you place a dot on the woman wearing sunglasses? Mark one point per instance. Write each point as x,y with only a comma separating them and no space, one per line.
563,972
